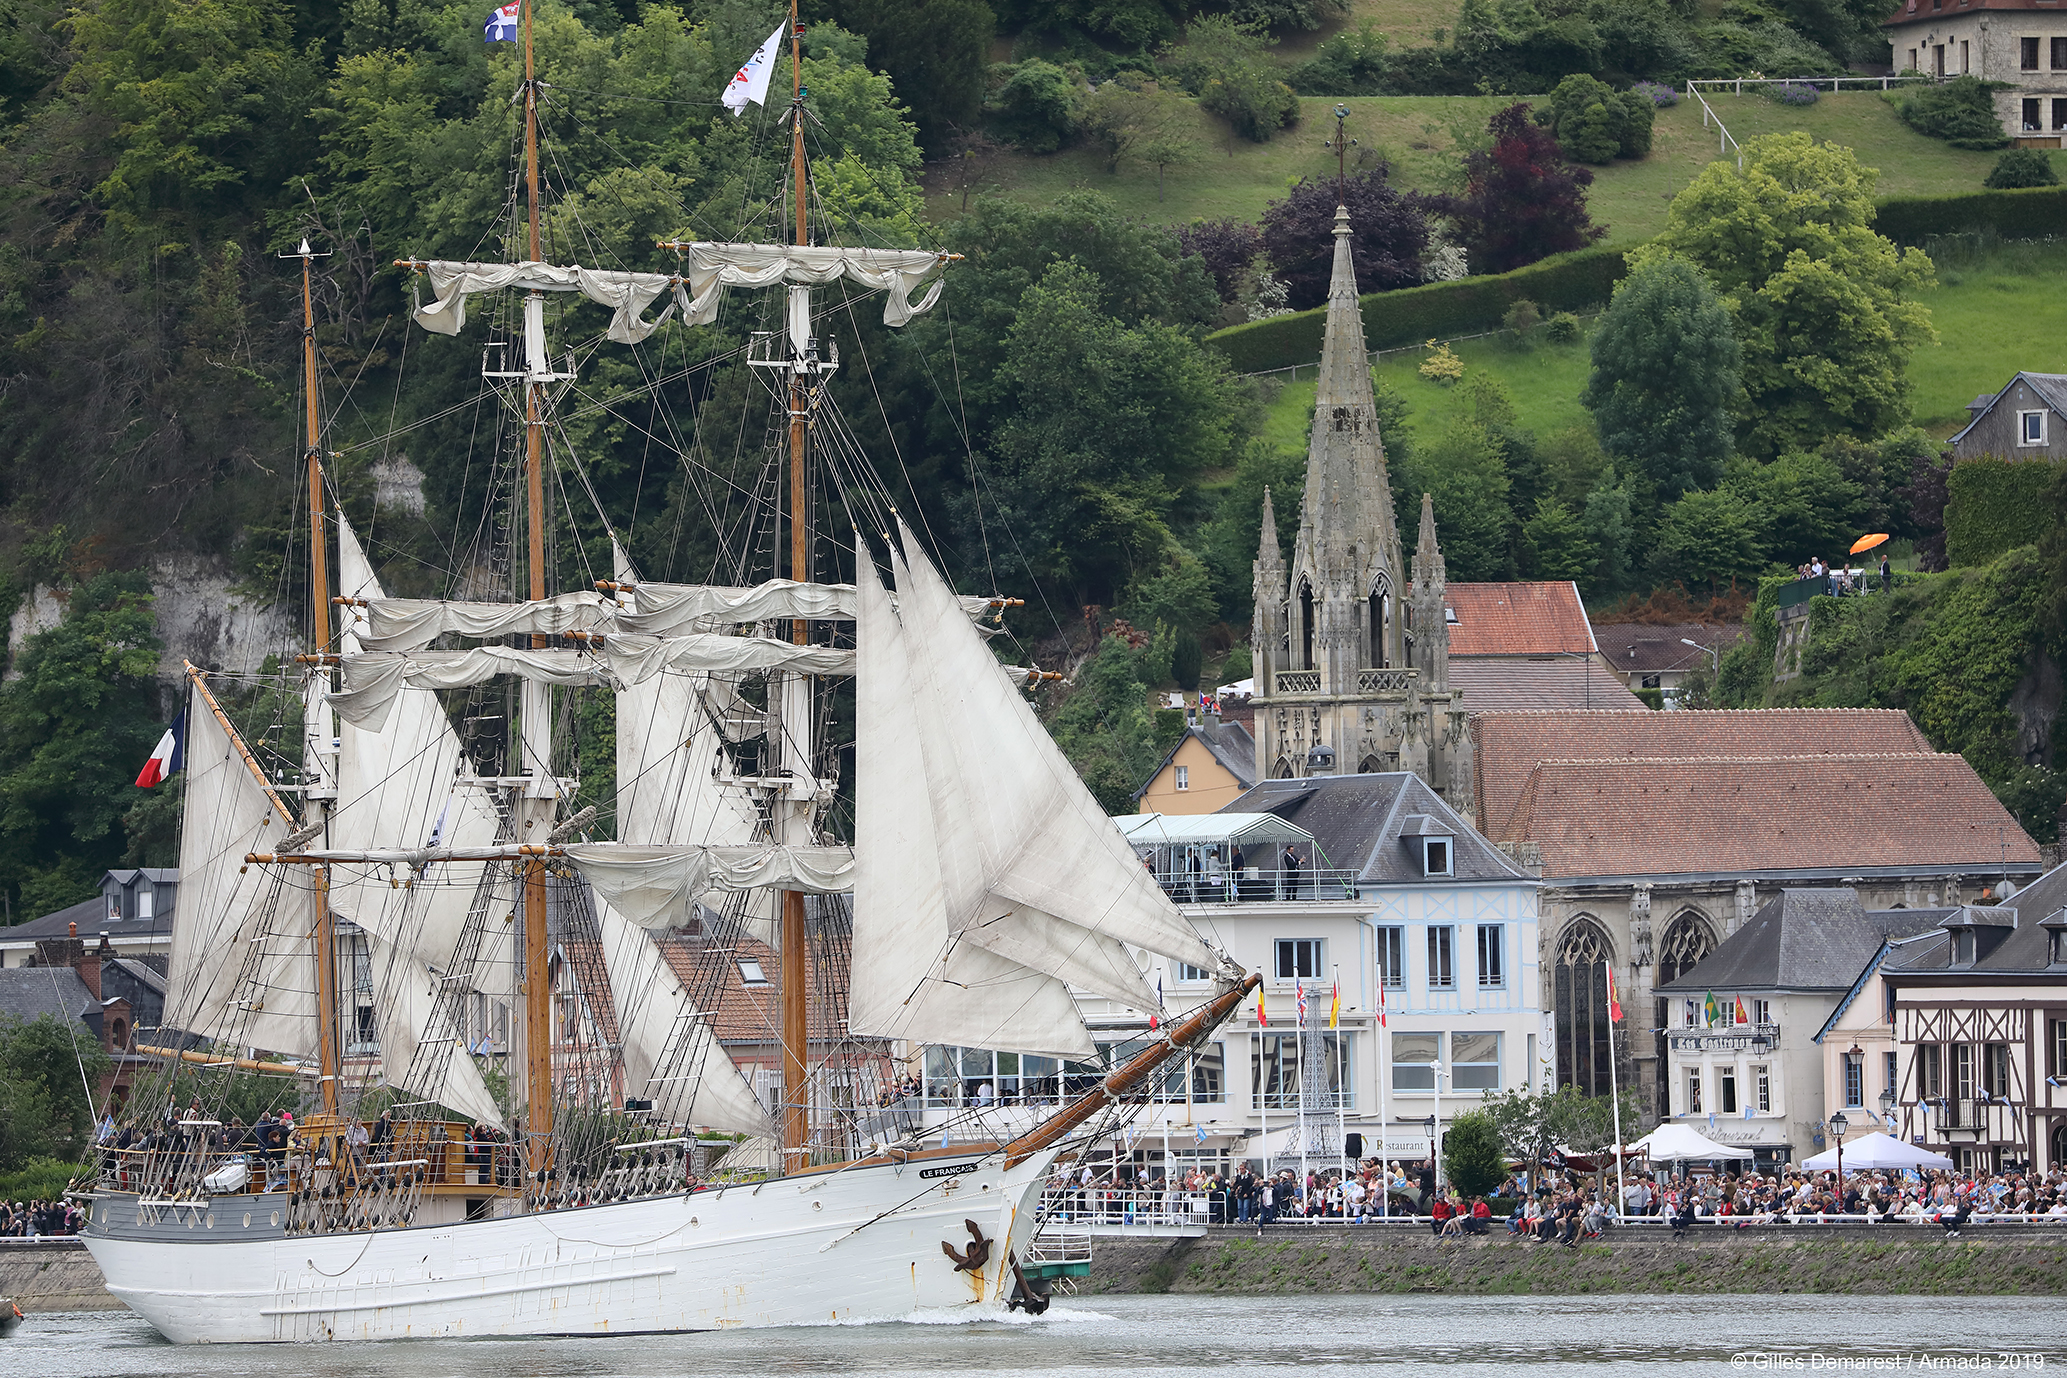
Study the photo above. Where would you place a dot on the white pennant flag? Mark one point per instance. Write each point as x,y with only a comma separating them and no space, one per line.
750,83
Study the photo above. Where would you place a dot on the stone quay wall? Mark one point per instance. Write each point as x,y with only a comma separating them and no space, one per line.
52,1275
1876,1260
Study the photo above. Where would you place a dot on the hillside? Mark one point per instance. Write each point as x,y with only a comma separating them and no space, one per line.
1417,133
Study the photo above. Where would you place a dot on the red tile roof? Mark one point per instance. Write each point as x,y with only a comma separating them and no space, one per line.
1522,619
1494,684
1682,815
1510,744
748,1014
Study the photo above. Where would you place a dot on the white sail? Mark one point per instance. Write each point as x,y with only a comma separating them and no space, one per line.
657,1021
1044,841
406,994
669,734
913,976
637,658
709,268
374,679
627,294
659,609
654,885
410,624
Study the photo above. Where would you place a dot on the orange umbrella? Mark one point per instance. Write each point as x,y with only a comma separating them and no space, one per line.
1868,542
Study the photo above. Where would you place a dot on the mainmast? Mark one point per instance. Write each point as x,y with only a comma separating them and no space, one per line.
796,689
536,698
318,753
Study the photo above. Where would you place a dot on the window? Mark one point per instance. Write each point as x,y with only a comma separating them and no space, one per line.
1726,1090
1441,974
979,1076
2031,115
2058,939
1275,1068
1392,957
1963,1086
1299,959
750,972
1891,1076
2030,431
1435,856
2027,54
1413,1061
115,906
1963,948
1762,1088
1208,1066
1995,1070
1855,1080
1187,972
2059,113
2056,1048
1761,1011
1184,777
1930,1071
1653,681
2060,54
1474,1061
1965,56
1489,969
143,902
1579,992
1693,1092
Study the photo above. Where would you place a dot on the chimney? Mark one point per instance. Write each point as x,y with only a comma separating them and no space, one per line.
87,963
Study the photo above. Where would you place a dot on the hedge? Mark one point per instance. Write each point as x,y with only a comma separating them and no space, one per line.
1566,282
2024,213
1993,505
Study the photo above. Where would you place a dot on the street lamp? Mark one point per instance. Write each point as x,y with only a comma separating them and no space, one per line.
1887,1107
1837,1132
1714,656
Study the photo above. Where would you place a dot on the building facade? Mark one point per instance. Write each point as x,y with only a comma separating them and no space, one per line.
2026,420
1209,767
2021,43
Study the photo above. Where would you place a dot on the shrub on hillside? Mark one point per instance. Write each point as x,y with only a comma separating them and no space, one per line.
1960,111
1793,93
1228,66
1563,328
1389,233
1661,96
1351,63
2022,167
1522,200
1594,123
1225,246
1034,105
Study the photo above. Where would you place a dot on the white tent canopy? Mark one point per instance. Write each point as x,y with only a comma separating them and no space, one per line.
1679,1143
1877,1150
1207,829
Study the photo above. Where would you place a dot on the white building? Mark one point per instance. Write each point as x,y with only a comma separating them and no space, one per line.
2019,43
1428,932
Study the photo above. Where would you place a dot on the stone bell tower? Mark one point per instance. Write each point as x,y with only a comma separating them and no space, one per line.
1336,691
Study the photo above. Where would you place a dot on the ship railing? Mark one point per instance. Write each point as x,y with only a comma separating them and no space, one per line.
1104,1204
1058,1244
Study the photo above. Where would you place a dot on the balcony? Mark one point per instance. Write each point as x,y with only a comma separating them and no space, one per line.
1368,681
1296,682
1256,885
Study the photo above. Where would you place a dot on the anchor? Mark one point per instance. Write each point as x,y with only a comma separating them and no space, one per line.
978,1252
1025,1295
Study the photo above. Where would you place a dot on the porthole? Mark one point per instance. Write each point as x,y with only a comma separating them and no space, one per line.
209,1220
247,1220
276,1217
694,1222
818,1205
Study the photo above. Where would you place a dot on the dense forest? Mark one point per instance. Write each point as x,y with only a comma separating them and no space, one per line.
1058,424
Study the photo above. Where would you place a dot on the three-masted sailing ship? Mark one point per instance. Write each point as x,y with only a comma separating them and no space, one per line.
981,885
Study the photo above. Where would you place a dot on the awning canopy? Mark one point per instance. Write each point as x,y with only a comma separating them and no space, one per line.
1679,1143
1877,1150
1208,829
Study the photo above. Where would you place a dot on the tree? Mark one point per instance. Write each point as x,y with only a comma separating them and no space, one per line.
2022,167
1557,543
1823,305
1471,1153
1035,107
1594,123
1227,65
1104,725
1806,505
1465,470
1350,63
1226,247
1960,111
1141,125
1666,377
1715,538
1522,201
1388,227
1532,1123
45,1067
933,51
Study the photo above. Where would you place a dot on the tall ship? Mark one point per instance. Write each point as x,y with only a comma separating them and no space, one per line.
512,1112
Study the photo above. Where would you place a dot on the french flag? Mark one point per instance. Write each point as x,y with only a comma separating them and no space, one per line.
167,757
502,23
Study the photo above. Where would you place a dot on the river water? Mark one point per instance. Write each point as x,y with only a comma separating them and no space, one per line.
1177,1337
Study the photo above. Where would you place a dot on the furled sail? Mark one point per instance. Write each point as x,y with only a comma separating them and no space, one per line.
659,609
913,976
709,268
626,294
653,885
634,659
410,624
375,679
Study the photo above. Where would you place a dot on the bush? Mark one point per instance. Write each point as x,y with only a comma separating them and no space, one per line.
1471,1153
1352,63
1563,328
1567,282
1522,317
1035,107
1793,93
1660,96
2024,213
1596,124
2022,167
1654,699
1442,365
1960,111
1993,505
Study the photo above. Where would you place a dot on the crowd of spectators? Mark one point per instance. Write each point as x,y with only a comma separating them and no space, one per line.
34,1219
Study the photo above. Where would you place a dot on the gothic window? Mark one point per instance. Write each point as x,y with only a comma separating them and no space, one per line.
1376,659
1305,626
1370,765
1687,941
1581,994
1283,769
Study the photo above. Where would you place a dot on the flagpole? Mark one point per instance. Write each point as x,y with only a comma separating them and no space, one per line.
1614,1096
1304,1132
1381,1064
1341,1084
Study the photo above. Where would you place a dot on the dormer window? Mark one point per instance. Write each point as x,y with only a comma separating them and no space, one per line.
1962,948
1435,856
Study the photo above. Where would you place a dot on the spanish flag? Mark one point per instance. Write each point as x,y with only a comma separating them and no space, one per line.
1335,1007
1261,1020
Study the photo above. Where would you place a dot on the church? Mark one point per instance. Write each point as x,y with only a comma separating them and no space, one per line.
1352,649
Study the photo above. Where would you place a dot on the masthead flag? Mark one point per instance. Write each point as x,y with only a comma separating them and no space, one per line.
167,757
1381,1003
1614,1005
1299,989
750,83
1155,1016
502,22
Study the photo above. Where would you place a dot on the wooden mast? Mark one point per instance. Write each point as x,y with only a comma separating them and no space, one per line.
795,1017
538,1033
316,725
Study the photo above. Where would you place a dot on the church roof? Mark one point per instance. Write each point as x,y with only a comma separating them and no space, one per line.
1519,619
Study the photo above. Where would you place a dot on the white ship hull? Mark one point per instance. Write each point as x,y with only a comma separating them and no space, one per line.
863,1243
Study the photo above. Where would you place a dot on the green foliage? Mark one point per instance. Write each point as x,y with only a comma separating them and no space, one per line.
1227,65
1993,505
1960,111
1140,124
1465,469
2027,213
1471,1153
1565,282
1821,301
2022,167
1805,505
1229,541
1531,1123
43,1107
1713,538
1666,377
1106,727
1034,106
1186,661
1558,544
39,1179
1178,596
933,51
1350,63
74,727
1594,123
1563,328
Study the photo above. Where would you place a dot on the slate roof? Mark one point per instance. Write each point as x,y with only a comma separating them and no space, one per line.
2051,387
1914,12
1357,822
1634,648
1229,742
1509,745
32,992
1801,940
1520,619
92,918
1679,815
1491,684
2024,949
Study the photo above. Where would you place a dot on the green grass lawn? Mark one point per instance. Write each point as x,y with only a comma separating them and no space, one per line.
1415,133
1996,311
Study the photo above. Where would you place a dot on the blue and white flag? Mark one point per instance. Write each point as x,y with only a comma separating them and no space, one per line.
502,23
750,83
1198,1133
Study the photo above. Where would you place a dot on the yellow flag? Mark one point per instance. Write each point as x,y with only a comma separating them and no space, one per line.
1335,1009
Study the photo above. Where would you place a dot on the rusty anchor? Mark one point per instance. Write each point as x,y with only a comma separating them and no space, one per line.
977,1254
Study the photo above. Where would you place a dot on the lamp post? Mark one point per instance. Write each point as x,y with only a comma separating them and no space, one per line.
1837,1132
1887,1108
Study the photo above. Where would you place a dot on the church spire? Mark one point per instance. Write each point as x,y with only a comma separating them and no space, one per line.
1267,621
1269,554
1345,366
1428,556
1431,621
